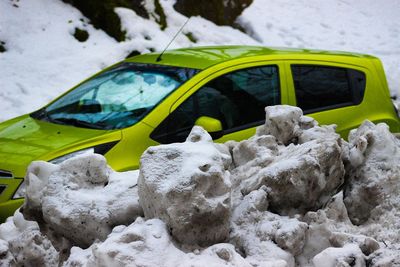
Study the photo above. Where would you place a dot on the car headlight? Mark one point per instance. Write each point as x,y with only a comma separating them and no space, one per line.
20,193
71,155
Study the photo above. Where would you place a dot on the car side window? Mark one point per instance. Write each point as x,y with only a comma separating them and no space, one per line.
237,99
324,87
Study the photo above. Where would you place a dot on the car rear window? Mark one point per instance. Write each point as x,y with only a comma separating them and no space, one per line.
323,87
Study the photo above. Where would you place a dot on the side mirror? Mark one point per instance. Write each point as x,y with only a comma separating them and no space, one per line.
211,125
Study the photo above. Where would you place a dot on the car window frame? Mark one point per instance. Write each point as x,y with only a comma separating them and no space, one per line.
323,63
228,68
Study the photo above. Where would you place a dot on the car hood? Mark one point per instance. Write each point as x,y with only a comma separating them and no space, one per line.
25,139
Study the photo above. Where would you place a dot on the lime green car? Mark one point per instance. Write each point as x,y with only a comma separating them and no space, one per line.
151,99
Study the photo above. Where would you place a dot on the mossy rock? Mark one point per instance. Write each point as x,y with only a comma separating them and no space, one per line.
2,47
191,37
162,18
102,16
133,53
221,12
81,35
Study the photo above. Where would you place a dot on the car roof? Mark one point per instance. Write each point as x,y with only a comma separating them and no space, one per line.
206,56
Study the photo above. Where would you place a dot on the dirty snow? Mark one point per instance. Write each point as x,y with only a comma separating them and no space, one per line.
200,210
279,204
43,59
193,197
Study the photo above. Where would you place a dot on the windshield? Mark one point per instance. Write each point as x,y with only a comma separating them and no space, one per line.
117,98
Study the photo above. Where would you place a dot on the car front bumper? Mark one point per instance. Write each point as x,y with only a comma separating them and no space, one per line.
8,208
8,205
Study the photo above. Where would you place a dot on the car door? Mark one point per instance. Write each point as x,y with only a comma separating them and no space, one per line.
331,93
235,96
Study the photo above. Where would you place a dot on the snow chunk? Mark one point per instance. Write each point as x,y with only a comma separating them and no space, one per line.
82,198
281,122
148,244
385,258
264,236
22,242
331,227
6,258
299,177
36,179
373,187
349,255
186,185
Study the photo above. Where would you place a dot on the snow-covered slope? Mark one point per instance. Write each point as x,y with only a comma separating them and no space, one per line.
43,59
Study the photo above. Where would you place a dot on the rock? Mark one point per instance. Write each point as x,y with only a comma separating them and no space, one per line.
102,15
186,185
218,11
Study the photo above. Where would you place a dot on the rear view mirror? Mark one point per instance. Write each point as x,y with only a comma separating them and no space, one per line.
211,125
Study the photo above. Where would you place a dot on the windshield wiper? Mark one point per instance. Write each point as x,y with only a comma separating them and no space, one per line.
79,123
42,114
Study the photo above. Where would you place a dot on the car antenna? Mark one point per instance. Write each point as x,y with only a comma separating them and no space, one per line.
159,57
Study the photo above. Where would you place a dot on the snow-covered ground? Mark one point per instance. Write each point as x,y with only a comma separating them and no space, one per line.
278,199
43,59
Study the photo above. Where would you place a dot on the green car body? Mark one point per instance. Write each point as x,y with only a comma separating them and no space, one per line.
26,138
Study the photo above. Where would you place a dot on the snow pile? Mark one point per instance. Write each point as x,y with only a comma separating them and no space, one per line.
272,200
82,198
299,162
349,255
373,183
149,244
23,244
193,196
264,236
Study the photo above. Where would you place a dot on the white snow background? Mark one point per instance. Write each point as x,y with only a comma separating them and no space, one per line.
43,59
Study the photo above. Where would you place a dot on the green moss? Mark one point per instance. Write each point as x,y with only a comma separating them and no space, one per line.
162,20
2,47
81,35
191,37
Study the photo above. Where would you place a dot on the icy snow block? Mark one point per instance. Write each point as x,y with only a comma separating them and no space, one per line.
83,198
349,255
385,257
6,258
25,245
187,186
373,183
264,236
148,244
36,179
299,178
298,161
284,123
